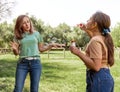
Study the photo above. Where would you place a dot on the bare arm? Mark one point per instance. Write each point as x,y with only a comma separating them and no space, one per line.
43,48
15,47
94,64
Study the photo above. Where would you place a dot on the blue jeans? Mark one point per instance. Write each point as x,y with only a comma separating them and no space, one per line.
100,81
33,67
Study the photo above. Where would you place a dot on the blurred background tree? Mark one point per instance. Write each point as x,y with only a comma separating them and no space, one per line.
62,33
6,7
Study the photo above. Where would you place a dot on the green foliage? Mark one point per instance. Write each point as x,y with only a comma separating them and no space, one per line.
47,35
81,37
37,24
63,33
116,35
6,31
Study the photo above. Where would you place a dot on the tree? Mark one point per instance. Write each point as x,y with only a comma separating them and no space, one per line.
116,35
79,36
6,8
37,23
48,33
6,31
61,33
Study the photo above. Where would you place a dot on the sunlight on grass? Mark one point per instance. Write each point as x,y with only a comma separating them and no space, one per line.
59,74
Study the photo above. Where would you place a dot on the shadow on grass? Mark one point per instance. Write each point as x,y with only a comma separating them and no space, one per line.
7,67
50,69
56,71
52,72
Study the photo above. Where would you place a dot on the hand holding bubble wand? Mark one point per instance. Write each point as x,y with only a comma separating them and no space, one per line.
82,26
73,43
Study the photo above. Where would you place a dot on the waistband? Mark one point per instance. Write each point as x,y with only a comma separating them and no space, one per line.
103,66
31,58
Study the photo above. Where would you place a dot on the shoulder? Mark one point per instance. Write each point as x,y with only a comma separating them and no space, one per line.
97,39
36,33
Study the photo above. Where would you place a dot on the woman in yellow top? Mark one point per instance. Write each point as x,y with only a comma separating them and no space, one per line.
28,44
99,53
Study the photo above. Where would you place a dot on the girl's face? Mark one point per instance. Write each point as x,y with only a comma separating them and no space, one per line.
26,24
90,24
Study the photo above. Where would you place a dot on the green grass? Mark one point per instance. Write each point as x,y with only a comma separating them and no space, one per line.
59,74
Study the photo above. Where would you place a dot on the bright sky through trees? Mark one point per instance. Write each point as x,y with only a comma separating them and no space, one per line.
72,12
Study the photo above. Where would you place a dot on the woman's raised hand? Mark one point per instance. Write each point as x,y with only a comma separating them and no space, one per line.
14,45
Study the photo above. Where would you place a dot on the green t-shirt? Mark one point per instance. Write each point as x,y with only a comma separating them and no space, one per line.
29,44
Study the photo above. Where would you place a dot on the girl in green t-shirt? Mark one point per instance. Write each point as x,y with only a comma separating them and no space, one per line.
28,44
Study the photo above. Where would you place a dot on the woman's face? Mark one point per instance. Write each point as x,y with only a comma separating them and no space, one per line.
90,24
26,24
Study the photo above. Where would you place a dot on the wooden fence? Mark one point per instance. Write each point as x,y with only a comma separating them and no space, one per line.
4,50
57,49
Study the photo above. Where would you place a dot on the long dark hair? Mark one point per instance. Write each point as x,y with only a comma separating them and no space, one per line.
104,22
18,31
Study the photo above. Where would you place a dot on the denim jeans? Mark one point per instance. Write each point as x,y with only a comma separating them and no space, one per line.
100,81
33,67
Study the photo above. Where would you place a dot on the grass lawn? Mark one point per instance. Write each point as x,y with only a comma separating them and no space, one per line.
59,74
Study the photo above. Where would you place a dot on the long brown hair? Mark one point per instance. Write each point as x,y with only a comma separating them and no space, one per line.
104,22
18,31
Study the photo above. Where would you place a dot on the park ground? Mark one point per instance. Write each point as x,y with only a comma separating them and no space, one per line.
59,73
